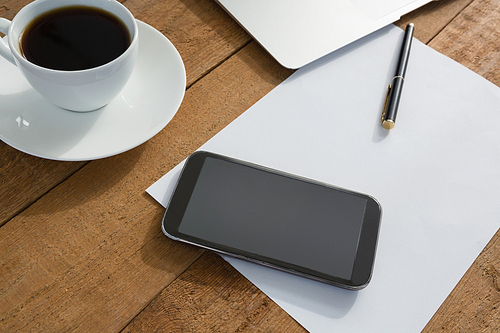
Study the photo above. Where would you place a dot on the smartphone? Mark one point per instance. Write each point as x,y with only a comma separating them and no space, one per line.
294,224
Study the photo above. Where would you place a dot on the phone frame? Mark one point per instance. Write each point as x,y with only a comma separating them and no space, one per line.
367,243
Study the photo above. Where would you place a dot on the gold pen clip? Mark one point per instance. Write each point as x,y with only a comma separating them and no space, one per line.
382,118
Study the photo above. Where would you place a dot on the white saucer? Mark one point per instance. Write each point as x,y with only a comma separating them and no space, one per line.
145,106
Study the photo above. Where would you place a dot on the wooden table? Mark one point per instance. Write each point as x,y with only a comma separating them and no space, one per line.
80,242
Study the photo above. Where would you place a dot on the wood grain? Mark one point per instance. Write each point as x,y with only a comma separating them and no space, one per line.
26,178
472,39
213,297
89,254
202,32
9,8
474,304
430,19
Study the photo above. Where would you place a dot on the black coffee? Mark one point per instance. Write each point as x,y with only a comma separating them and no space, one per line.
74,38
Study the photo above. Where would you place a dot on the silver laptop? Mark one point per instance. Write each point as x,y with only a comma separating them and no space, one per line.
297,32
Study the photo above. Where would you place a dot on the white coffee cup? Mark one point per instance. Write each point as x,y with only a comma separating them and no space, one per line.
79,90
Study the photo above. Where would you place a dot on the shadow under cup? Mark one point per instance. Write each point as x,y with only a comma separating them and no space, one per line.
79,89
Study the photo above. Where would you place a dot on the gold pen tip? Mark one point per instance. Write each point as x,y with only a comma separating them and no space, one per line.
388,124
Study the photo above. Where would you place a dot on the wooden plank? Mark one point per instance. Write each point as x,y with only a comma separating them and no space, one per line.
26,178
473,306
472,39
201,30
9,8
204,35
430,19
212,297
89,255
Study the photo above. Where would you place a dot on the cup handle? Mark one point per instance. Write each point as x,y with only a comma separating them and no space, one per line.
4,45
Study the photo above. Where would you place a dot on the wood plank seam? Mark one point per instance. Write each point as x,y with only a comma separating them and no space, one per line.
35,199
444,27
146,305
209,70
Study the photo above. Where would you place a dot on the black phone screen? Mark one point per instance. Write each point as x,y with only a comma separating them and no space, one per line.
295,224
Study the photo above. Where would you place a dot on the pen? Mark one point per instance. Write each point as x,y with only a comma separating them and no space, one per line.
395,89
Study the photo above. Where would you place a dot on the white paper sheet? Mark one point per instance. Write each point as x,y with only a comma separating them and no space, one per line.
297,32
435,174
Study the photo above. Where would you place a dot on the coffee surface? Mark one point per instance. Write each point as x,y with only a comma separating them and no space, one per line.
74,38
